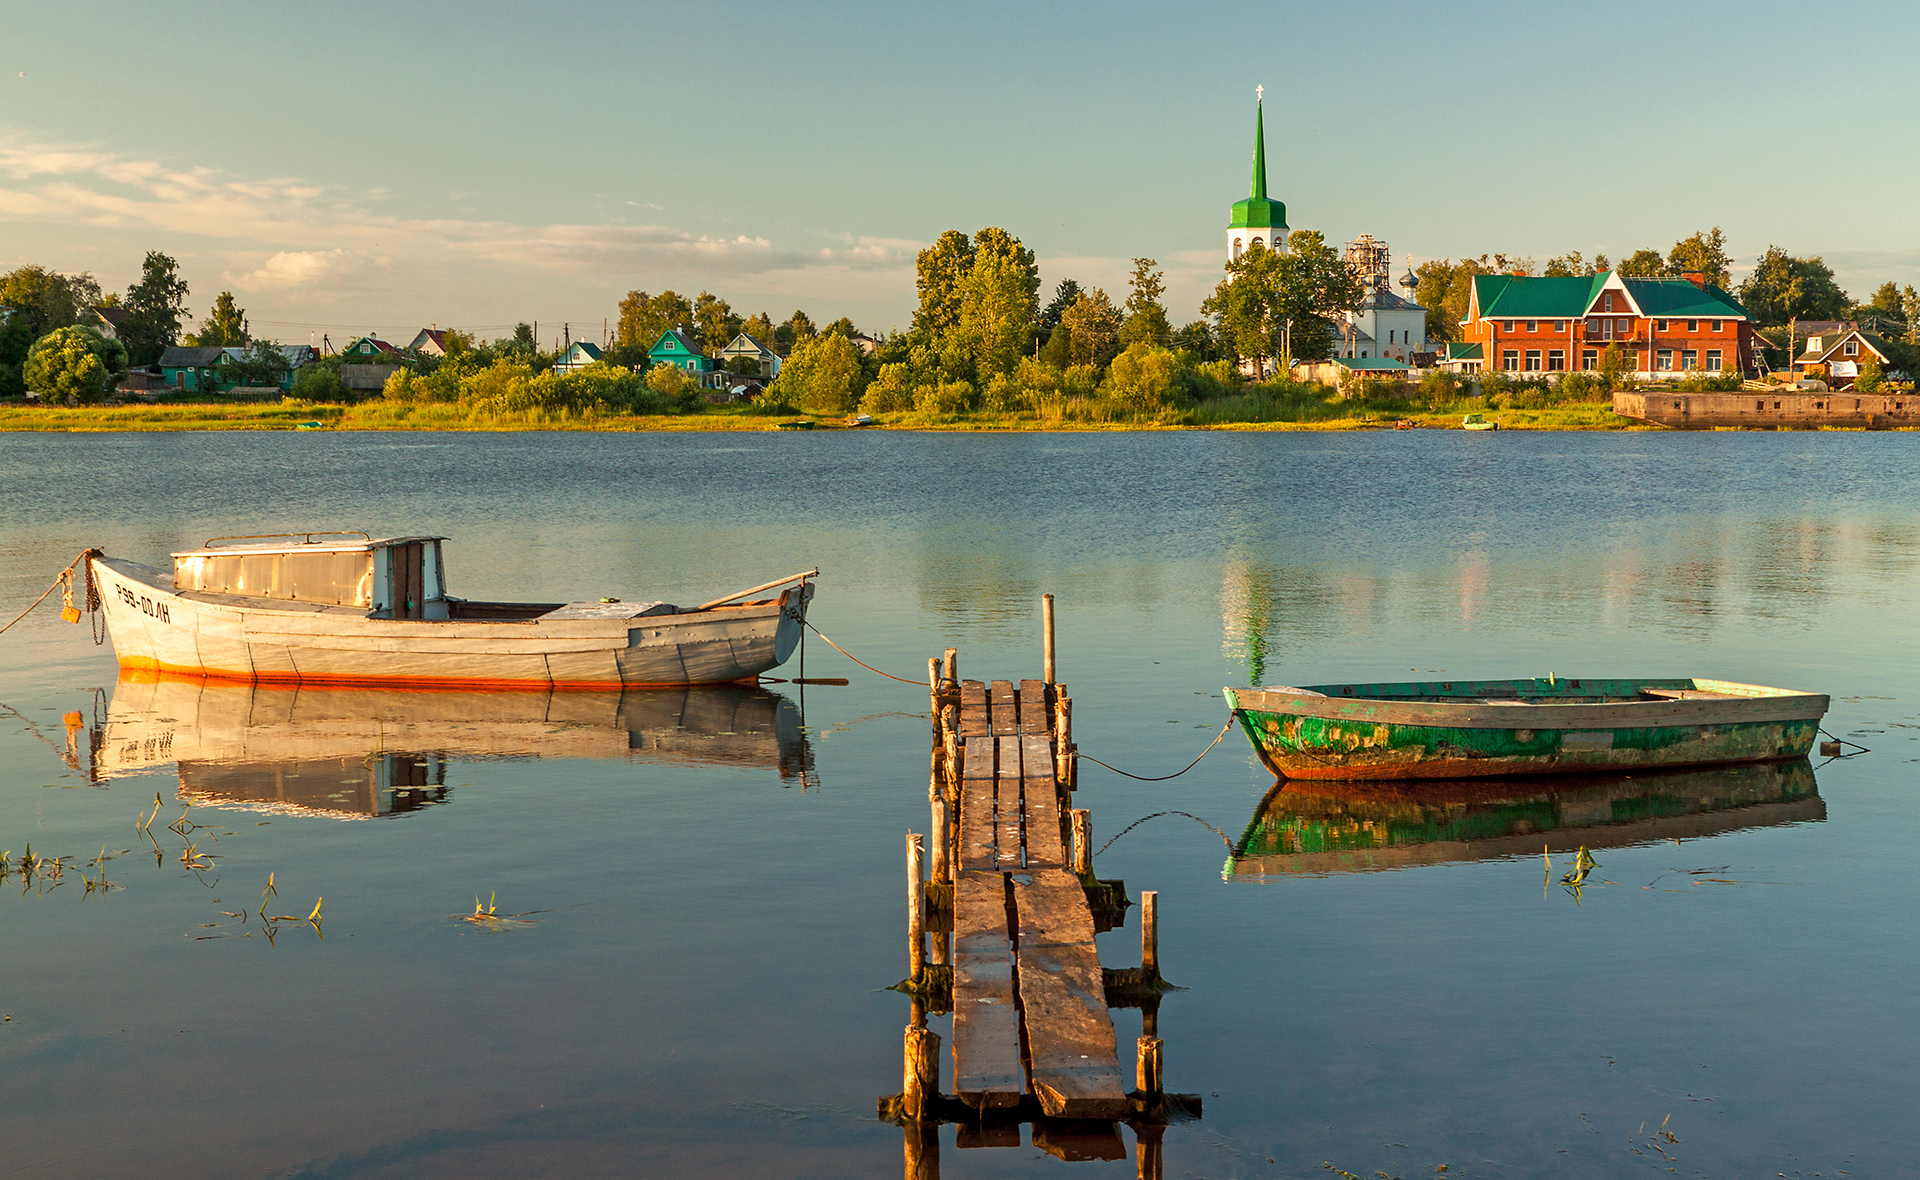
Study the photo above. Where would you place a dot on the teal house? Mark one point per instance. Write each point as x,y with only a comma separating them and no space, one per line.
188,369
578,356
674,348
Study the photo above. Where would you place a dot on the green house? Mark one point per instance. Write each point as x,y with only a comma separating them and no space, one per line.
369,350
674,348
188,369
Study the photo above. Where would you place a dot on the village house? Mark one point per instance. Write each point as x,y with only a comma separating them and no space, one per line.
370,350
743,347
676,348
429,342
189,370
1835,352
1664,327
578,356
105,320
1341,369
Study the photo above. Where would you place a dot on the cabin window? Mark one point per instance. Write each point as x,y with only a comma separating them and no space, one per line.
1713,360
1852,348
1510,360
1689,360
1659,325
1759,405
1556,360
1589,359
1624,328
1533,325
1533,360
1559,325
1663,360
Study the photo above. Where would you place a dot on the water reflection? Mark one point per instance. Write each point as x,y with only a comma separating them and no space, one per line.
372,752
1331,828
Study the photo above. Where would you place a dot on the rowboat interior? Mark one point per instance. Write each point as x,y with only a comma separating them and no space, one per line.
1544,691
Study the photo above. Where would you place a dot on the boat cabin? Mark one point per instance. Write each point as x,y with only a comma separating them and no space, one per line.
389,577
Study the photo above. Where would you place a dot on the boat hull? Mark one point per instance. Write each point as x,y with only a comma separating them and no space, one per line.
1311,736
155,628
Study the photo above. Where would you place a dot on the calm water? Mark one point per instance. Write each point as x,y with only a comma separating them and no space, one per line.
721,903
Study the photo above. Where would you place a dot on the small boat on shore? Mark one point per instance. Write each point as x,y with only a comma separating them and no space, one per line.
1478,422
348,608
1496,728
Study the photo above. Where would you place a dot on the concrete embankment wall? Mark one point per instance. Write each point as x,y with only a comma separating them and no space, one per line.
1761,410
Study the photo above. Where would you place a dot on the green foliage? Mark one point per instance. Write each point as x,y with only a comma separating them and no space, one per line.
1871,379
1063,297
1703,252
1092,323
714,322
1197,338
12,385
939,269
1783,288
671,382
43,300
943,398
1146,312
1141,380
1614,368
155,305
822,374
320,381
996,313
74,364
891,392
263,364
1058,350
1443,287
225,325
644,317
16,336
1439,388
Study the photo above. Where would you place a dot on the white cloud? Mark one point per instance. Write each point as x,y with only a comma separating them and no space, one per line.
290,269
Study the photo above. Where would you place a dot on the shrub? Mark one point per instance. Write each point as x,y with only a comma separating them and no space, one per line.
1439,388
320,382
946,397
1140,379
891,392
1003,395
74,364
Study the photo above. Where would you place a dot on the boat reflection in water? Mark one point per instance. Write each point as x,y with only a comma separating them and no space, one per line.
1326,827
357,753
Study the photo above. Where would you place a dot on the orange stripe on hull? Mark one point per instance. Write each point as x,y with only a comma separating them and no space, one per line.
426,683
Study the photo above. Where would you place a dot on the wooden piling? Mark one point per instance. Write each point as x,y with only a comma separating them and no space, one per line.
933,689
920,1070
923,1151
1146,1147
953,667
1046,649
942,839
1082,842
1150,933
916,909
1147,1073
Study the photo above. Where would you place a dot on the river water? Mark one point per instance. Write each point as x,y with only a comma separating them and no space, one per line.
710,887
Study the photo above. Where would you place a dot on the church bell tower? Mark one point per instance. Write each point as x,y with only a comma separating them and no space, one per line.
1257,219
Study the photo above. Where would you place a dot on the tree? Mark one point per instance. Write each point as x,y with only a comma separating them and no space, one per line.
1643,264
669,381
261,365
996,313
799,327
715,321
1146,313
644,317
1093,327
1871,378
1566,265
225,325
1058,350
1141,378
1783,288
44,299
939,269
822,374
1910,313
997,241
155,307
75,364
1613,367
1196,338
1063,297
760,327
1245,306
1886,300
1443,287
1704,253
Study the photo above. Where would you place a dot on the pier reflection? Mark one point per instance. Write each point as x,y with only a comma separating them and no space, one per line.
353,752
1359,827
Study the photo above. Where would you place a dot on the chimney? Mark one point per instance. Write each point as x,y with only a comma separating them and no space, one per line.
1696,278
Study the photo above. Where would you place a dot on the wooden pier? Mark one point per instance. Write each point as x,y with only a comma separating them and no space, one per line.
1011,907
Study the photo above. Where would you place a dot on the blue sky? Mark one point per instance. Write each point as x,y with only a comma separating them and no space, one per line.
352,166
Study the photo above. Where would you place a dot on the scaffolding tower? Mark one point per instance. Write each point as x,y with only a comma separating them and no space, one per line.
1370,261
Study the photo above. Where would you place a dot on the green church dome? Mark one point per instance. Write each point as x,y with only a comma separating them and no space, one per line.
1257,211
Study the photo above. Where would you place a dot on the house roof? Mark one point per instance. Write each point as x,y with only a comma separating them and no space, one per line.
1831,351
182,357
1369,362
1381,299
675,342
438,337
378,343
744,344
113,315
1460,351
1529,297
592,351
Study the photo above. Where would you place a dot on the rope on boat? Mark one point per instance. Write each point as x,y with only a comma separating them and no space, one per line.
64,583
1156,815
1164,777
869,667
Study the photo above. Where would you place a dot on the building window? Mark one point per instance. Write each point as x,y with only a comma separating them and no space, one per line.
1852,348
1609,306
1716,325
1589,359
1623,328
1236,248
1689,360
1510,360
1254,243
1713,360
1663,360
1693,325
1659,325
1533,360
1533,325
1556,360
1559,325
1509,326
1759,405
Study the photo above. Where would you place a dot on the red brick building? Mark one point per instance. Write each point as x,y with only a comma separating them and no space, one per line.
1665,327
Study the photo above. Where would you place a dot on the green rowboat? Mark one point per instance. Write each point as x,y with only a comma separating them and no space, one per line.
1496,728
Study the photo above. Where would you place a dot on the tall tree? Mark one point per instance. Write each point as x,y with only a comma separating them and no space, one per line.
996,313
994,240
715,321
1146,313
644,317
1244,306
225,325
47,299
1783,288
939,269
1643,264
1063,297
74,363
1093,324
155,305
1704,253
798,328
760,327
1314,284
1886,301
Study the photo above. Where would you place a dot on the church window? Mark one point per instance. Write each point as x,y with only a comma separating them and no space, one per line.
1236,248
1255,242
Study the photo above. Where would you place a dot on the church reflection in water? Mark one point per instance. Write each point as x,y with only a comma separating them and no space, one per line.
1328,827
358,752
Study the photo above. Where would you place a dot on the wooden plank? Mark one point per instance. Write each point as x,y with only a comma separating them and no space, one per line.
987,1070
1008,816
1040,809
1005,708
978,808
1035,714
1070,1048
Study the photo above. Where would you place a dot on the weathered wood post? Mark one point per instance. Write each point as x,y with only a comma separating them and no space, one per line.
1147,1072
923,1150
1146,1148
1063,736
933,690
1046,646
942,821
920,1069
916,909
1150,933
953,667
1082,842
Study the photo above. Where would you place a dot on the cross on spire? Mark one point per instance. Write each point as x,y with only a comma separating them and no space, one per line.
1259,93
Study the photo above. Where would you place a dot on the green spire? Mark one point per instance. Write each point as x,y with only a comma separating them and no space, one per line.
1259,152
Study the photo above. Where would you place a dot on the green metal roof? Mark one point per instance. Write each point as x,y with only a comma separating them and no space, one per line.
1369,362
1680,299
1459,351
1257,212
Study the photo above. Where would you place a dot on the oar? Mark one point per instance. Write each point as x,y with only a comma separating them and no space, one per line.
812,573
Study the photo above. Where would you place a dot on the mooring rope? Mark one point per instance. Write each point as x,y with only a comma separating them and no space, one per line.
65,577
869,667
1156,815
1176,774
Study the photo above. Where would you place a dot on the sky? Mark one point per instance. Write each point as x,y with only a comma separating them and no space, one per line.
353,166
